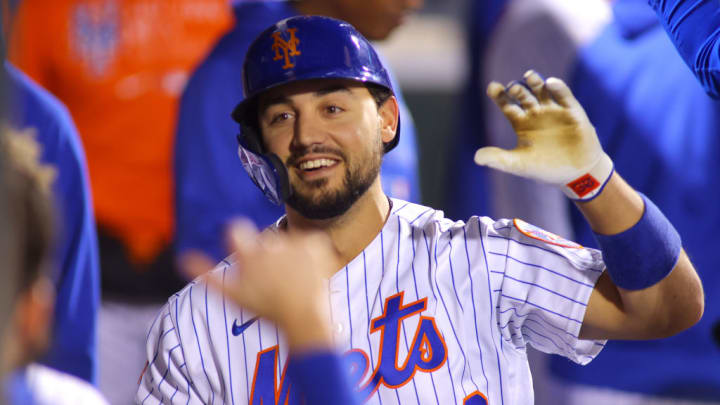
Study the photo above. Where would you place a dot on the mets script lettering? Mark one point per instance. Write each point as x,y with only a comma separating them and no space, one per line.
285,49
427,353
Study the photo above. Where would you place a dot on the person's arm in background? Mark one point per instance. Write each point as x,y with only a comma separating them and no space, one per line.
694,28
73,348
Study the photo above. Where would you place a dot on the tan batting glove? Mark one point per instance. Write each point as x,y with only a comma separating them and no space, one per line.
556,143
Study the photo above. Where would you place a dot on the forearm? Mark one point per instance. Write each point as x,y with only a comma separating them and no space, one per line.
614,210
307,332
315,366
666,307
694,28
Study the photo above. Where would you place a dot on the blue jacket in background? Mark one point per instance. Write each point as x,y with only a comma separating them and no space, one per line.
661,130
211,185
73,347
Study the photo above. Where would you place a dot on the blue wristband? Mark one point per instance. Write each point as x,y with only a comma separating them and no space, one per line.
644,254
321,378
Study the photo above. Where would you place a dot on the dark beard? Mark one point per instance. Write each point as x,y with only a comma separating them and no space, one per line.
335,203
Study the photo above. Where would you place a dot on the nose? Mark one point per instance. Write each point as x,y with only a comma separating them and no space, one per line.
307,132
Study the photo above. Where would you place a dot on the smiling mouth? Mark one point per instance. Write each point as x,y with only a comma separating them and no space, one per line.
316,164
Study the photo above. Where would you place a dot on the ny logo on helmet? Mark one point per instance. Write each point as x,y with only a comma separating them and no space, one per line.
288,48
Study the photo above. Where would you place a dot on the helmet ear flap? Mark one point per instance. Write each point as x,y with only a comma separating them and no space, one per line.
266,170
283,182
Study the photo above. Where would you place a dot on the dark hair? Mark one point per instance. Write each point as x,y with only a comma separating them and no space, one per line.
380,93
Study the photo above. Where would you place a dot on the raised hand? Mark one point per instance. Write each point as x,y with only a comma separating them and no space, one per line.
556,142
279,276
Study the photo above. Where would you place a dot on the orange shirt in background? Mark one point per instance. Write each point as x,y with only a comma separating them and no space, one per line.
120,66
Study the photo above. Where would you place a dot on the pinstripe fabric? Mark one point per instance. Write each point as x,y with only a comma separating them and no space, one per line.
486,289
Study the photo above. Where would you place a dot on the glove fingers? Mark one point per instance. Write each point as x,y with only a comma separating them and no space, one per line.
537,84
523,94
508,106
561,93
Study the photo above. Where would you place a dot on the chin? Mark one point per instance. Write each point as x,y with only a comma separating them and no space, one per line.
328,203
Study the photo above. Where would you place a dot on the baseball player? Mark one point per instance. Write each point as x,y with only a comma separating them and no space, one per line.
424,309
209,195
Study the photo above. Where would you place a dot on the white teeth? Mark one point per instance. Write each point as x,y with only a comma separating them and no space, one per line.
314,164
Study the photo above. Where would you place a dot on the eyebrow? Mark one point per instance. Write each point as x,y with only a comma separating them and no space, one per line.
281,99
331,89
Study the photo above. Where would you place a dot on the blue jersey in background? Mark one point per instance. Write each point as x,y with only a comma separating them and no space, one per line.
73,347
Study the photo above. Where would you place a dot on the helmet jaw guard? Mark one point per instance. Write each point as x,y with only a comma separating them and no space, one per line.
265,169
297,49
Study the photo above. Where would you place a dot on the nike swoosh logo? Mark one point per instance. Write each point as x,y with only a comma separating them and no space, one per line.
238,329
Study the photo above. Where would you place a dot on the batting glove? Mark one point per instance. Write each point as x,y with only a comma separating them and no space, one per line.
556,143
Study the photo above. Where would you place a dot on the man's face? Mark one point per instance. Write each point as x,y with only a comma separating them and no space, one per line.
329,134
376,19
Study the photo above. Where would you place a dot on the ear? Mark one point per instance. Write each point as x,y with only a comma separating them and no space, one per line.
389,116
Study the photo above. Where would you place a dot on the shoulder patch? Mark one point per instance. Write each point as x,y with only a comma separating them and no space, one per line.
532,231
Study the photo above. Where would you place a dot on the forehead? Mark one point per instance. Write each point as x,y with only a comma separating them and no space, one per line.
313,88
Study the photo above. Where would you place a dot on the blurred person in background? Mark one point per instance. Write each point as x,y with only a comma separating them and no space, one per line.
211,188
660,128
120,67
76,271
8,251
28,200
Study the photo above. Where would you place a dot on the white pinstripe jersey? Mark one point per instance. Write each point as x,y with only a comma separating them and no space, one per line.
431,312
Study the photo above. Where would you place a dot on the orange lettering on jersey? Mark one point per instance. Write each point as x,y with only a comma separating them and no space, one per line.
265,390
476,398
426,353
288,48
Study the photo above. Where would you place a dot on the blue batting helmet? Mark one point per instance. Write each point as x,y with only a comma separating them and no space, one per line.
304,48
295,49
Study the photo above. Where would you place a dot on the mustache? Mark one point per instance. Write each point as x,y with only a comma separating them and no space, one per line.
297,155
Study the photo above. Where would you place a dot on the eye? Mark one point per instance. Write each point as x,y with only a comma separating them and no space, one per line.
280,117
333,109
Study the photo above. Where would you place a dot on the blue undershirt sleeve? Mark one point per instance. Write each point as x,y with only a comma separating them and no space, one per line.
321,379
694,27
